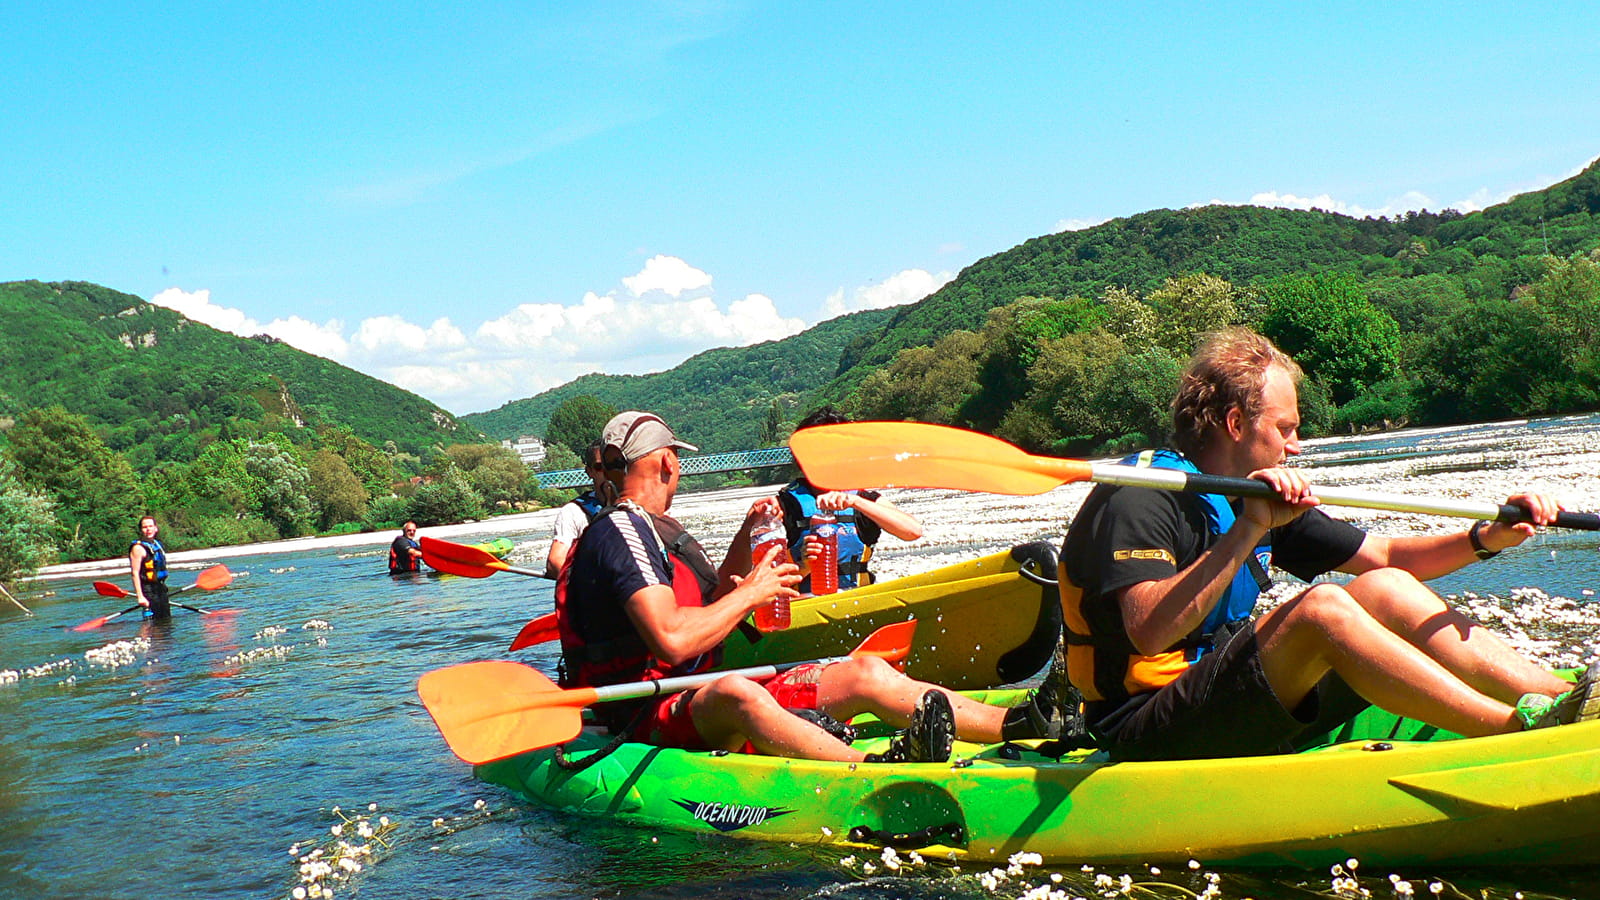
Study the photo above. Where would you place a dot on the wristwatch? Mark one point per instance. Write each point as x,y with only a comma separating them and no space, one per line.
1478,549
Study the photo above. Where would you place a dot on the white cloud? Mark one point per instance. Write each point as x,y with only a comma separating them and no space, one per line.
668,274
1076,224
656,319
906,286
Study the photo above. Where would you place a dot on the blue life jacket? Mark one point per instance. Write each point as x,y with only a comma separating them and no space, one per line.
154,566
1251,579
590,504
854,552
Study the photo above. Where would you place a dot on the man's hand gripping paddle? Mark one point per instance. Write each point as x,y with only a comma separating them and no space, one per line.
912,454
494,709
208,580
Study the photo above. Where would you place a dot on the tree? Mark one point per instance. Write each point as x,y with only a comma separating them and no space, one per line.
28,527
445,500
577,423
1326,323
373,466
285,488
495,472
97,497
772,426
335,488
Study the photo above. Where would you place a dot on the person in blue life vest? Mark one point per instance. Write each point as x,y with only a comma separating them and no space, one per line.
639,599
576,514
861,516
405,552
1158,590
147,561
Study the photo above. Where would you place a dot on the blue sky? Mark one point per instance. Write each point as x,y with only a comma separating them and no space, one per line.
481,201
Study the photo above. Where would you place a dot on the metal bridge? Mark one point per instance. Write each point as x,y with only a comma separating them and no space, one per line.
691,465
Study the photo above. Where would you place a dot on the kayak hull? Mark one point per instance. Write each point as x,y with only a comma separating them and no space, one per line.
497,548
1529,798
981,623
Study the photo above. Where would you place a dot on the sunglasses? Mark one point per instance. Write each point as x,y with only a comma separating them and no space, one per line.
616,465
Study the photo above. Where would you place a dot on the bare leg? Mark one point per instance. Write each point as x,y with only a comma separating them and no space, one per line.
1325,629
1473,653
870,685
731,710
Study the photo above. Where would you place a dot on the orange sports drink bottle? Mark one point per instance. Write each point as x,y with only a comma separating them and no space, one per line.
825,568
766,533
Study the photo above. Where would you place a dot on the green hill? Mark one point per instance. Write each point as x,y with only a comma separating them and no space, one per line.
1488,250
1408,262
159,386
716,399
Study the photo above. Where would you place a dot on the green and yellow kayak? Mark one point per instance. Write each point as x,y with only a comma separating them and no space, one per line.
987,622
497,548
1387,792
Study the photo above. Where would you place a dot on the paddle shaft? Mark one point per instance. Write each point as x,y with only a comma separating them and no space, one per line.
1175,480
633,690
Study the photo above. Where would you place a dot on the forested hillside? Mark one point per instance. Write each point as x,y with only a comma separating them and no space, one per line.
160,386
1071,341
718,400
111,408
1486,253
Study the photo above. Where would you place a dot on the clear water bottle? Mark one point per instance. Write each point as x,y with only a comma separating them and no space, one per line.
767,532
825,568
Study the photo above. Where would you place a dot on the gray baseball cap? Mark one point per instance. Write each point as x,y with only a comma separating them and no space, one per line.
639,434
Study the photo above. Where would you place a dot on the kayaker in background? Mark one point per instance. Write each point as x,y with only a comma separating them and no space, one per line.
1158,589
147,561
576,514
860,517
405,553
640,600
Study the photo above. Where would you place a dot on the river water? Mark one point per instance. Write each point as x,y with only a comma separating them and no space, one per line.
209,756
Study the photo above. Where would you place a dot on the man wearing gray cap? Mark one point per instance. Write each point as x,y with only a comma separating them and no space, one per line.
640,600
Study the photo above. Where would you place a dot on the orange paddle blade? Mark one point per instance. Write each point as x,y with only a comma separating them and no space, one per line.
214,578
891,643
913,454
481,709
540,631
107,589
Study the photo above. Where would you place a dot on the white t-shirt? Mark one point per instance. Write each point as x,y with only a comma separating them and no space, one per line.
571,520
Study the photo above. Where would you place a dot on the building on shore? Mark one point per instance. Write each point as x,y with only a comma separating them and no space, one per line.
529,449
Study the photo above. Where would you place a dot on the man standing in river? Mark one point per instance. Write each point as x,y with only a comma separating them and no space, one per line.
1158,588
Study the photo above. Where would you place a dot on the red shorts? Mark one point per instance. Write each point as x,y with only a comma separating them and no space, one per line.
667,722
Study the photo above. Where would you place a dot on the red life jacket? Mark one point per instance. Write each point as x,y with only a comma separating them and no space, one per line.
589,659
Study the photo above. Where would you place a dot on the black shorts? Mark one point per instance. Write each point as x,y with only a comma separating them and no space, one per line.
1223,706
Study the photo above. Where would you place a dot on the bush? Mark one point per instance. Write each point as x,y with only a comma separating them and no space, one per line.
385,513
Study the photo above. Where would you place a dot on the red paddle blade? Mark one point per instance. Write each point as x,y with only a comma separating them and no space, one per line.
92,624
461,553
107,589
540,631
452,567
494,709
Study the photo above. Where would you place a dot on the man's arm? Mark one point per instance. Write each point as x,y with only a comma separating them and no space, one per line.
677,633
1158,614
1433,555
556,559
